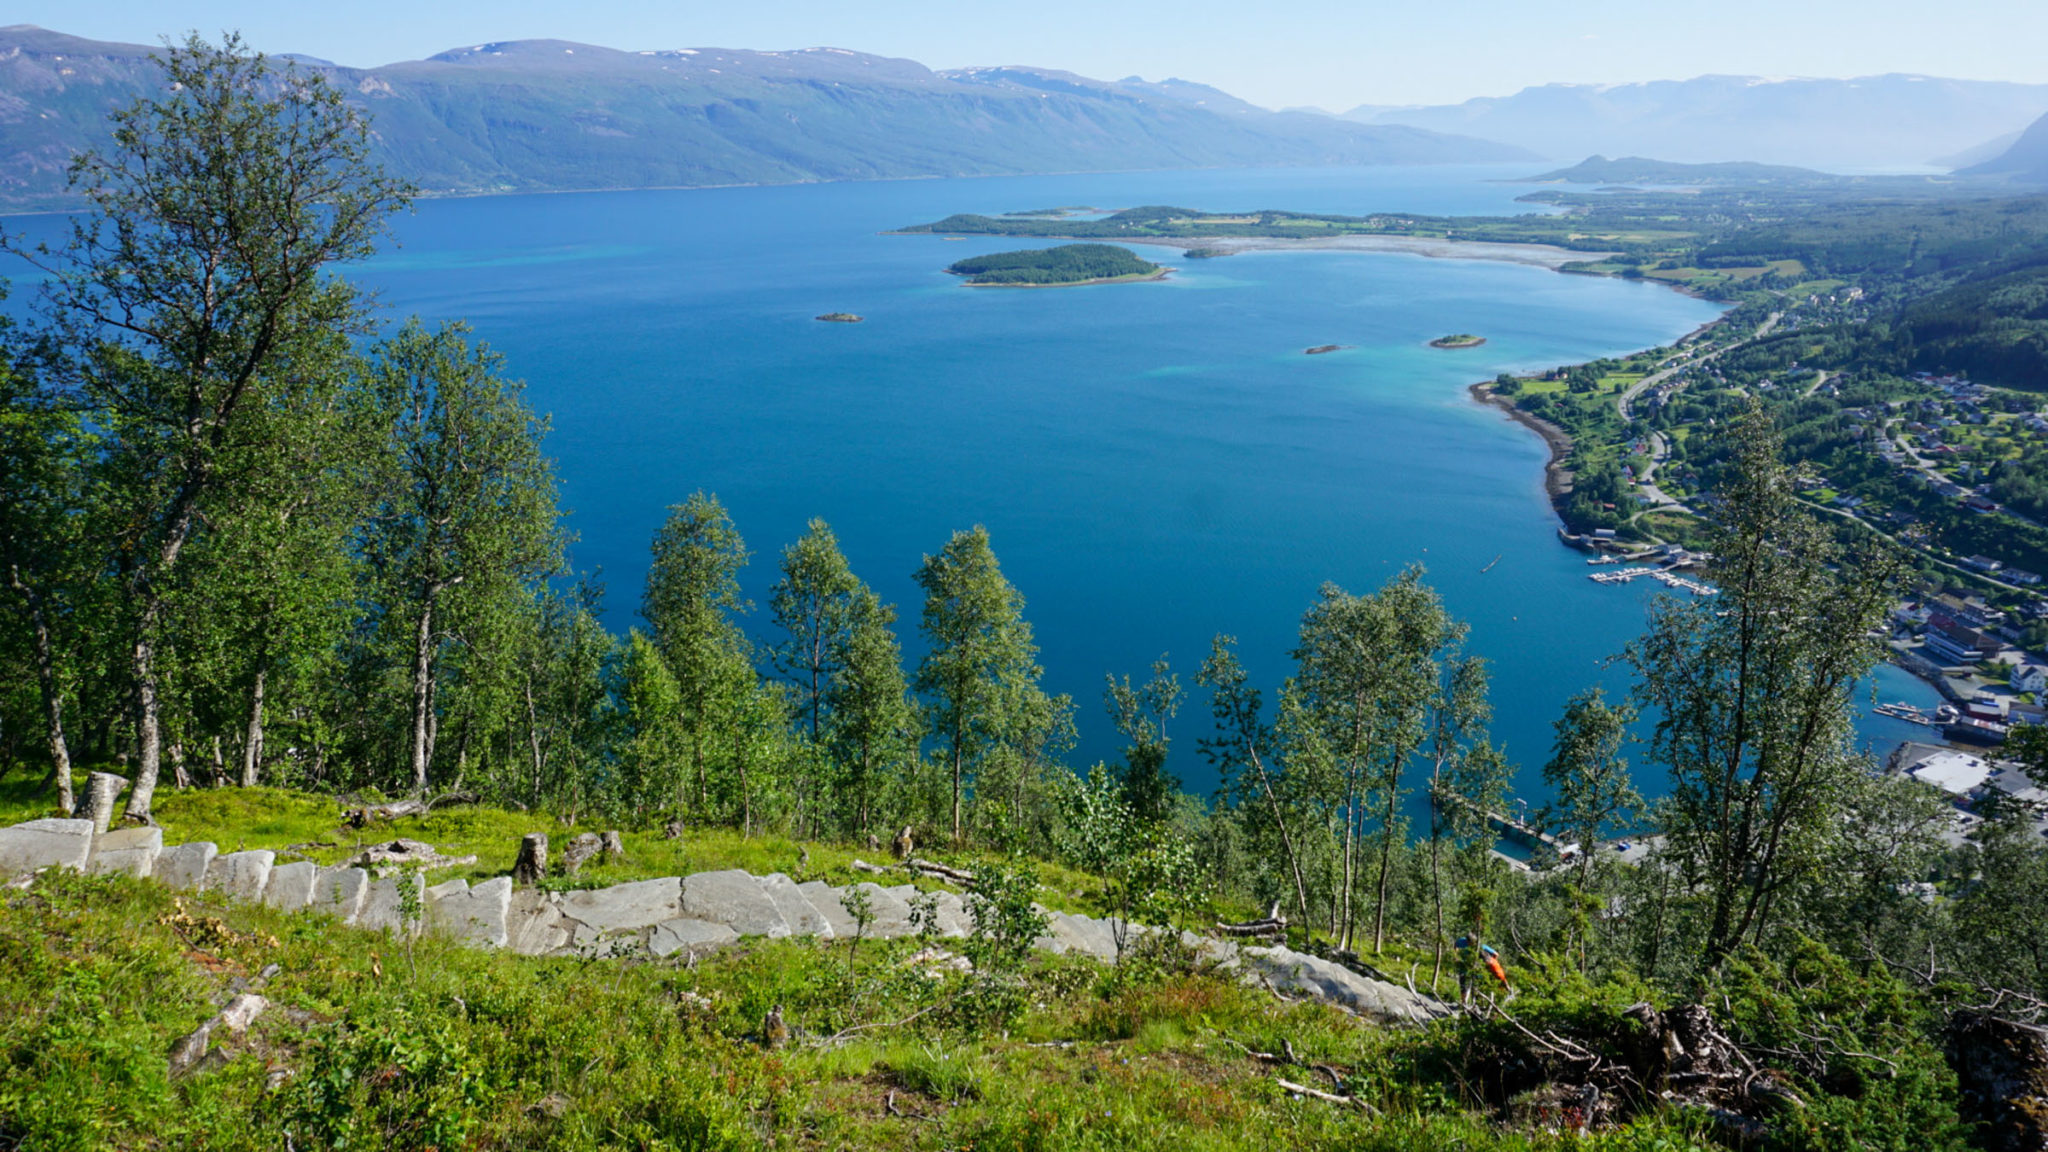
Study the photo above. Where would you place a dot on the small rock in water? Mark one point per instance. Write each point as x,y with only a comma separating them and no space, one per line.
840,318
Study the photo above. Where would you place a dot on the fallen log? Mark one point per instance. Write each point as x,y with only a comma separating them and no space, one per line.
943,872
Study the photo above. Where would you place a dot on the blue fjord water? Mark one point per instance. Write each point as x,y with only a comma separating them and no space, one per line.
1156,463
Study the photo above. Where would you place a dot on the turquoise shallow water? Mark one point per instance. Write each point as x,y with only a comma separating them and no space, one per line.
1156,462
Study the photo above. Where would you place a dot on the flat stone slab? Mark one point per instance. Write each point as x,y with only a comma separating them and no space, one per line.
184,865
127,852
291,885
954,918
797,911
892,915
240,876
534,926
475,915
824,899
47,843
622,907
694,937
340,892
1294,973
1069,932
735,899
383,910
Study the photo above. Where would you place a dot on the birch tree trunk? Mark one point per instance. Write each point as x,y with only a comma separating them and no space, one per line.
252,739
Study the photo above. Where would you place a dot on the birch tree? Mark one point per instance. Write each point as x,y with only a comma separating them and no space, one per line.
466,518
187,293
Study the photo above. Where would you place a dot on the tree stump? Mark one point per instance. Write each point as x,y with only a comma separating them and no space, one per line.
532,866
613,847
579,852
97,805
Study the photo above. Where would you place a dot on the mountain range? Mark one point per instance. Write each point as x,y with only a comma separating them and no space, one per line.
1887,121
2025,162
547,115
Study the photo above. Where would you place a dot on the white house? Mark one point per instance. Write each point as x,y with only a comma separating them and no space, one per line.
2030,678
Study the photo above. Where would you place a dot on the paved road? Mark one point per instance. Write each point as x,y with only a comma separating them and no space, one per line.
1660,448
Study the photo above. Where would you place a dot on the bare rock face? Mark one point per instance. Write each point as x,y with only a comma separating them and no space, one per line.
601,912
291,885
38,844
2002,1073
824,900
802,917
402,853
127,851
534,925
692,937
475,915
340,892
182,865
1299,974
384,907
735,899
240,876
892,915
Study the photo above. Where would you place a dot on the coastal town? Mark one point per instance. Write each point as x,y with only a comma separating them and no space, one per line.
1937,464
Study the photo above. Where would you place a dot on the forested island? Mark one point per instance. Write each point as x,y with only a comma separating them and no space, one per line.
1458,340
296,583
1068,264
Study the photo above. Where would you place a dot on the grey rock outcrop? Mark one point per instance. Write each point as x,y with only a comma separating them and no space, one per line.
184,865
600,912
384,910
48,843
534,926
733,898
797,911
1292,973
239,876
824,899
340,892
688,916
892,916
694,937
291,885
477,915
127,852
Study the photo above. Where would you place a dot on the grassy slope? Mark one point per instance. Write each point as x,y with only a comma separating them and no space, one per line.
374,1044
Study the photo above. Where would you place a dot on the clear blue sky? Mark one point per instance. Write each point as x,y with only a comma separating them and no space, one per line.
1333,53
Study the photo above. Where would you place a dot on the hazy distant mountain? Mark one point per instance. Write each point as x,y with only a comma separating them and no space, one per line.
1871,121
2026,161
1976,154
1639,170
548,115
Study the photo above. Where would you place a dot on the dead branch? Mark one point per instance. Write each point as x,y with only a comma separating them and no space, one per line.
1319,1094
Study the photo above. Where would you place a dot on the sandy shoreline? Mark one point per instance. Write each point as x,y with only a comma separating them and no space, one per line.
1539,255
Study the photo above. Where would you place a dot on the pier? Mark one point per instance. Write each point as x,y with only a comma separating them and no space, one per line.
1664,576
